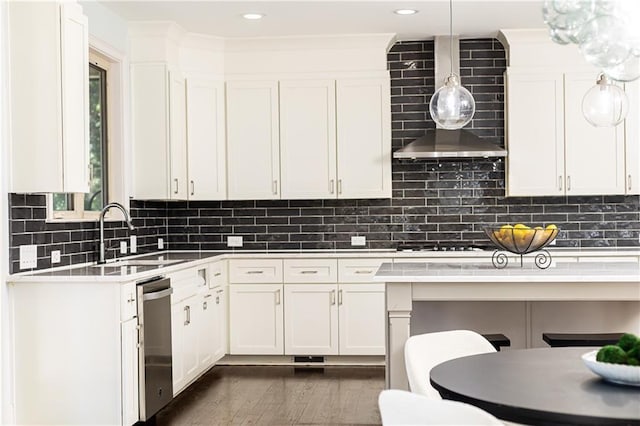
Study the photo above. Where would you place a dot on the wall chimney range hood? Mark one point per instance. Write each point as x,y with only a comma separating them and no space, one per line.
442,143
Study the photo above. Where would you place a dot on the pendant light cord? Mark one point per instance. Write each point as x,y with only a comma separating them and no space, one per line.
451,37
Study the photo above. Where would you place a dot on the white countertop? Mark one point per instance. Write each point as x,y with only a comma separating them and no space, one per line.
485,272
111,272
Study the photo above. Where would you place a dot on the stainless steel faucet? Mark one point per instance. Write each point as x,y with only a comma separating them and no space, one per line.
101,220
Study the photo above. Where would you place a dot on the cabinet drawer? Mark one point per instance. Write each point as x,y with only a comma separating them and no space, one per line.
218,271
187,283
247,271
310,271
358,270
128,305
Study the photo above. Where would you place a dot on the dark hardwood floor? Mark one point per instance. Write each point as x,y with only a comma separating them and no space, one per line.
266,395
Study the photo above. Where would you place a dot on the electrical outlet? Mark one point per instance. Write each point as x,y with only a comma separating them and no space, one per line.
160,244
133,244
359,241
55,256
234,241
28,256
123,247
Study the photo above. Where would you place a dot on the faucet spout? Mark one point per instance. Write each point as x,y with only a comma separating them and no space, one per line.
127,218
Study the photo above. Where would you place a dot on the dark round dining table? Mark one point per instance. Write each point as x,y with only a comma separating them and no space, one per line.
543,386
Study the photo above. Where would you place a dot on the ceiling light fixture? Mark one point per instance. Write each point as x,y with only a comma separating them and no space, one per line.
452,106
253,16
605,104
405,11
609,38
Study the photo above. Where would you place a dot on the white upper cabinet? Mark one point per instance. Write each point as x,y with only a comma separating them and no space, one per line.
205,139
632,139
535,133
178,137
49,72
308,139
253,147
159,135
324,138
364,138
553,150
594,156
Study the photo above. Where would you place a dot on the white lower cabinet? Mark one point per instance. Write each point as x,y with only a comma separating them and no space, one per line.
207,344
310,319
361,313
256,319
220,326
184,342
130,376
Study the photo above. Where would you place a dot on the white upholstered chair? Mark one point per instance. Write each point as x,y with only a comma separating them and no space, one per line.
402,408
425,351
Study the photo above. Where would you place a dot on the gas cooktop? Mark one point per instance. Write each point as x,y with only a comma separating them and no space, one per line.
438,246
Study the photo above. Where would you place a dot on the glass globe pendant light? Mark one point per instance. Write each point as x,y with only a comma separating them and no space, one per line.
452,106
605,104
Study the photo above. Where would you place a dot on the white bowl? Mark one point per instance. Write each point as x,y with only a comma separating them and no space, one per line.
616,373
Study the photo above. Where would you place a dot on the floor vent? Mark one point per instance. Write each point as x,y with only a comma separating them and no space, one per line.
308,359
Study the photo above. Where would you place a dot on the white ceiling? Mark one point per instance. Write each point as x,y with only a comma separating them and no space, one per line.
472,18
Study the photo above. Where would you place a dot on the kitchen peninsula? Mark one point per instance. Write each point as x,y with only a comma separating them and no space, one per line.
407,283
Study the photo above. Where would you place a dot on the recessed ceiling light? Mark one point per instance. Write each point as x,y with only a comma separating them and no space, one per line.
405,12
253,16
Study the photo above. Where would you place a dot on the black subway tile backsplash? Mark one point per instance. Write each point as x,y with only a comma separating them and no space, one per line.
445,200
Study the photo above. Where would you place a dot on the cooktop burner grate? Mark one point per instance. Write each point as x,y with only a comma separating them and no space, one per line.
438,246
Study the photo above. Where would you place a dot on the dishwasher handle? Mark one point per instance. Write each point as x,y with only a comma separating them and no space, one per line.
157,294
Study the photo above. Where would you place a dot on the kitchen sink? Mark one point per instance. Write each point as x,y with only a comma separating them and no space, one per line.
139,262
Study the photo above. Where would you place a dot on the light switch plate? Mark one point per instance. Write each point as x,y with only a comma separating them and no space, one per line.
28,256
234,241
160,244
133,244
123,247
359,241
55,256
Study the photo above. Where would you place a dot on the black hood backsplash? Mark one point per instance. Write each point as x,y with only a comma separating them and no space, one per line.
433,201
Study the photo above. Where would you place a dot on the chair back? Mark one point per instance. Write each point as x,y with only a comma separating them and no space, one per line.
398,408
425,351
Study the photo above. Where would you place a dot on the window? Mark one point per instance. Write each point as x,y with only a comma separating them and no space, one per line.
88,206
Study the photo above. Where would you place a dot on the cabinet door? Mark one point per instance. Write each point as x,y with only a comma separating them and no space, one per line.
594,156
208,340
362,321
253,151
206,144
47,48
535,133
308,139
255,316
311,319
75,97
178,132
364,138
129,336
632,139
220,330
184,342
150,125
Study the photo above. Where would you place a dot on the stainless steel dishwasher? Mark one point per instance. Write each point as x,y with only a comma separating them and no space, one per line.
154,320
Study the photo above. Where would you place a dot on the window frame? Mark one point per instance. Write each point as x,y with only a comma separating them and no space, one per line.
115,63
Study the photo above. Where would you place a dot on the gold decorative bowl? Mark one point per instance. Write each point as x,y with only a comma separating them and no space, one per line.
521,240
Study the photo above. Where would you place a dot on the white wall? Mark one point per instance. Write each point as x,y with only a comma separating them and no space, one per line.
106,25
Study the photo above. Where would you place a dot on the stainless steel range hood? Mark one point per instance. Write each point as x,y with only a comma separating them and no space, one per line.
441,143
